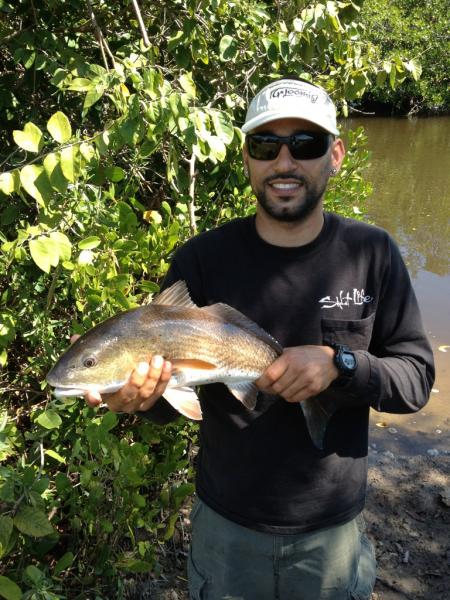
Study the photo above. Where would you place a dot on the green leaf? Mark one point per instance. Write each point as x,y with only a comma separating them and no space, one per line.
7,183
109,421
134,565
52,166
9,589
33,521
115,174
149,287
70,164
188,84
30,139
34,576
228,48
223,126
55,455
6,528
59,127
49,419
43,253
63,563
92,97
47,251
132,131
392,77
270,48
35,181
381,78
86,257
283,44
89,243
218,149
170,529
414,68
175,40
81,85
63,245
183,490
87,151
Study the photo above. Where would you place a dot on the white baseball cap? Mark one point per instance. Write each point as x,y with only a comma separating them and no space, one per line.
290,98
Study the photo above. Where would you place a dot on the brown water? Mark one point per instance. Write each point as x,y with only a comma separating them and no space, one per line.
410,173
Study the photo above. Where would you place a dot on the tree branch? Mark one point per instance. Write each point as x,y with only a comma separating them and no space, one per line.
144,34
192,175
103,44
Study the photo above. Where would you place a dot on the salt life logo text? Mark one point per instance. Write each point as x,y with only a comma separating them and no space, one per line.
355,298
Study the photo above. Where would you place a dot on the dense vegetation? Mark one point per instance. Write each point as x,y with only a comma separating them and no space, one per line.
421,30
120,138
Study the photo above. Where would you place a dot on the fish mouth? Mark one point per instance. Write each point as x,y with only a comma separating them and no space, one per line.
63,391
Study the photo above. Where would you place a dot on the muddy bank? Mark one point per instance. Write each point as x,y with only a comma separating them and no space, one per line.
408,520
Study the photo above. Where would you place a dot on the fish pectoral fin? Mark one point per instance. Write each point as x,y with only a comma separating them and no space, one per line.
317,418
181,364
185,401
246,393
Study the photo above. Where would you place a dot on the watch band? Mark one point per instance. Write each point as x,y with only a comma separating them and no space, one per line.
345,362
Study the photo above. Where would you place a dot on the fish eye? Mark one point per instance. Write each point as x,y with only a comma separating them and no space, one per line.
91,361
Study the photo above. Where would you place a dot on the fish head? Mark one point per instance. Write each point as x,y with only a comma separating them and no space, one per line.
100,360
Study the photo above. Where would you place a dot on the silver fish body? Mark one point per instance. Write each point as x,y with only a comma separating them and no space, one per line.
211,344
205,345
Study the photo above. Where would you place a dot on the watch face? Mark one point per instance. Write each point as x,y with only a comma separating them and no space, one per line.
349,360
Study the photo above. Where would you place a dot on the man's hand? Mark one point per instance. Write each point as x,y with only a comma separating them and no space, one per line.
300,373
145,386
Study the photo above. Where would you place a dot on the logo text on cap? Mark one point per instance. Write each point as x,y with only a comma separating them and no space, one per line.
291,91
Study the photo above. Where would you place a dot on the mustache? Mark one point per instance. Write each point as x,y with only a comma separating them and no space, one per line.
290,176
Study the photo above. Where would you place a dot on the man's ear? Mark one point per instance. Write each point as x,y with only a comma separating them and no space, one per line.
337,153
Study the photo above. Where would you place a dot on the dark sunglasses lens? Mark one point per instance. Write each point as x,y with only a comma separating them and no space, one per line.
263,147
306,146
302,146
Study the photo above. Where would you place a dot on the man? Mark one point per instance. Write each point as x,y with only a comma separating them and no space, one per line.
276,517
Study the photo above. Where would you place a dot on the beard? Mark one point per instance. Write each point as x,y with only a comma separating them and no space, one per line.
281,210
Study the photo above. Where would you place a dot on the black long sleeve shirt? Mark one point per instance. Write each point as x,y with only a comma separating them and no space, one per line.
260,468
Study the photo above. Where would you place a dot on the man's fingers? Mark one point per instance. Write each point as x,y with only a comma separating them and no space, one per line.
273,373
156,382
139,375
145,385
74,337
93,399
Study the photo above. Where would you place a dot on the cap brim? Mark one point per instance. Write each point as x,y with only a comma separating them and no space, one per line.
270,116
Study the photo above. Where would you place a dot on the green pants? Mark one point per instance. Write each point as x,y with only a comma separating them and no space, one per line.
231,562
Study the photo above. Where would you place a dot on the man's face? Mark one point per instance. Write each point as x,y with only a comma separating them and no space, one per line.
287,189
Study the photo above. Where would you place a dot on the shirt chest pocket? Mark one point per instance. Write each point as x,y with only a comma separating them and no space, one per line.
354,333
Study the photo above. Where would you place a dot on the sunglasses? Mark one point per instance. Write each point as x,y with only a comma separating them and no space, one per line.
304,145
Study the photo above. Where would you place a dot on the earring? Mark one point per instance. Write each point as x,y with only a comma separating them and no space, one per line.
333,171
246,170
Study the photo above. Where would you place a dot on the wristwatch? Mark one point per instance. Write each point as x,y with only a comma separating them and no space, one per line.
345,362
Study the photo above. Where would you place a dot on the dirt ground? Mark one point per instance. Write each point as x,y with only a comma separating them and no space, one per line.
408,520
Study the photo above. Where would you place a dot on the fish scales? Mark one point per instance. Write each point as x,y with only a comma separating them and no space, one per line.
210,344
194,334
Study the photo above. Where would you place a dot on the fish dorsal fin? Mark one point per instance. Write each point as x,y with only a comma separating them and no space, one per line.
175,295
246,392
231,315
185,401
